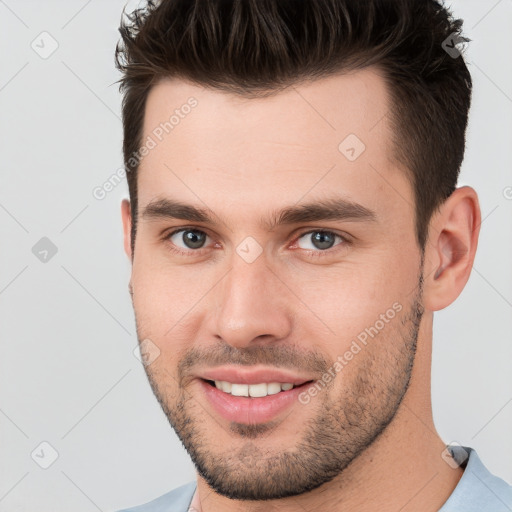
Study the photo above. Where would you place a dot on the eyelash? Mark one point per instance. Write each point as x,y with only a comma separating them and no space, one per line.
316,254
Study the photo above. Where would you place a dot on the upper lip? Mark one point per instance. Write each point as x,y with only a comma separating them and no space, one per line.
245,375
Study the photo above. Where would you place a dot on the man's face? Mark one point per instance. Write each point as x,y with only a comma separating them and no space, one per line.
245,295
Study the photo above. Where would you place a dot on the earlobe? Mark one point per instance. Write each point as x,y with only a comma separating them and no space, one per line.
127,227
451,249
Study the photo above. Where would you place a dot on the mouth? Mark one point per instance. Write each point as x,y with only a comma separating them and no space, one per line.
252,404
258,390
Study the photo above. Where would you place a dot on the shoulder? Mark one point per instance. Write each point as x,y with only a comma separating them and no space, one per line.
479,490
177,500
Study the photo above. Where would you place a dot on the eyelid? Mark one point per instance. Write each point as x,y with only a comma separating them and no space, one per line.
172,231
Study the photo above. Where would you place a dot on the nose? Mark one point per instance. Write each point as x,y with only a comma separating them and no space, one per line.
252,305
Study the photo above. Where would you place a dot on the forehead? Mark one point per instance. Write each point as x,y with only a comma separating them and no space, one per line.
314,138
321,111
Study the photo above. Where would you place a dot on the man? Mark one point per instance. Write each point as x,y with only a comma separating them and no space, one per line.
293,224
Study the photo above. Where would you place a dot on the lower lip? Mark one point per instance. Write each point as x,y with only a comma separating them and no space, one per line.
242,409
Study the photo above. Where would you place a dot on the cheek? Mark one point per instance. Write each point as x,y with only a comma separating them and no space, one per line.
354,292
354,303
164,294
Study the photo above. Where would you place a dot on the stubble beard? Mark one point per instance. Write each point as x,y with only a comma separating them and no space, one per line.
343,427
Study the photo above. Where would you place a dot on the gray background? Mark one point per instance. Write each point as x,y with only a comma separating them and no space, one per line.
68,373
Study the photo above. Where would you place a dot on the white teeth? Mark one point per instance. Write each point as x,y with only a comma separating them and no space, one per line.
223,385
253,390
273,388
240,389
258,390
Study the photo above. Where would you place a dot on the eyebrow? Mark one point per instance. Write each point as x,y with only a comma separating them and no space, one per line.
334,209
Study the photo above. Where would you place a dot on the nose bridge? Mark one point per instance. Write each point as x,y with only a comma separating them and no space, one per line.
250,303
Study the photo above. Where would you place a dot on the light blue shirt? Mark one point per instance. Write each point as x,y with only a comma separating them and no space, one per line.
477,491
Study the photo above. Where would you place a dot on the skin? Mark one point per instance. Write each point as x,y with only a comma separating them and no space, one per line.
367,441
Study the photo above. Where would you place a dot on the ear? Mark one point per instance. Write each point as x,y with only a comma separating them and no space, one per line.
127,227
451,247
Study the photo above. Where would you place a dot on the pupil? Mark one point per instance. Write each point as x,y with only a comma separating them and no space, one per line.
323,240
193,239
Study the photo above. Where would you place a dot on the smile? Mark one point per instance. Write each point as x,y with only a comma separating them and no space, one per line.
252,390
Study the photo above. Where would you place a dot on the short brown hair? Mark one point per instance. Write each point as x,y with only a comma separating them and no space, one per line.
254,48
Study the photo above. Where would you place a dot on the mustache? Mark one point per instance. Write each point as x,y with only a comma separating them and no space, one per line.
278,355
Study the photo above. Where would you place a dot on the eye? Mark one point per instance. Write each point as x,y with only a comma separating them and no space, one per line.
191,241
319,239
188,238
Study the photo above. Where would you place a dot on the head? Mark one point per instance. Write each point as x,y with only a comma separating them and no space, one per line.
292,170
